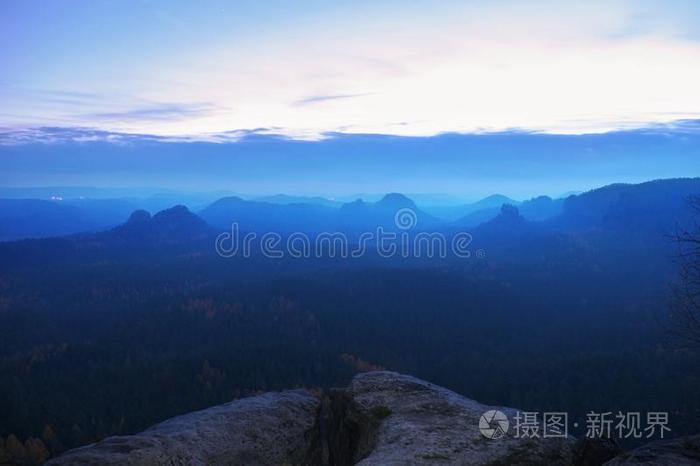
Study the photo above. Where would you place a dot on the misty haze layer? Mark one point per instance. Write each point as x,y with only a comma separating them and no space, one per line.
517,164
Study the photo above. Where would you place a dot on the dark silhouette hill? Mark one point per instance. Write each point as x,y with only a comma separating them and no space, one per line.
174,225
171,231
657,206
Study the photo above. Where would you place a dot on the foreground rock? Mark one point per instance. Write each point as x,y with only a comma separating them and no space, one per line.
270,429
381,419
407,421
683,451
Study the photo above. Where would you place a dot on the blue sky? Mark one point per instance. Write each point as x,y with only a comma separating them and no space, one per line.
182,68
320,97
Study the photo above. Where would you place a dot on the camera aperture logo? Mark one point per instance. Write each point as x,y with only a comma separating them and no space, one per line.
493,424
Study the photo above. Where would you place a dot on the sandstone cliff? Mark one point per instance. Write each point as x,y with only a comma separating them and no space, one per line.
268,429
382,418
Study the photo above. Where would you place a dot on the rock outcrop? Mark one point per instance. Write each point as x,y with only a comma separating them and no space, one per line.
382,418
684,451
270,429
407,421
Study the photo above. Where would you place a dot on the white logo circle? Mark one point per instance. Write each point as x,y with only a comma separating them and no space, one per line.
493,424
405,219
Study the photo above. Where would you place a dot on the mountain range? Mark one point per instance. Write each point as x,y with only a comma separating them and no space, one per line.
106,332
653,203
614,218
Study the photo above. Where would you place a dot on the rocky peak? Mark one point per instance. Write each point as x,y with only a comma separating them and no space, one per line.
139,217
396,201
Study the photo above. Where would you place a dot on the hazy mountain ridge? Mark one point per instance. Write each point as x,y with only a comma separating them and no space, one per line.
285,199
267,216
659,205
28,218
36,218
648,208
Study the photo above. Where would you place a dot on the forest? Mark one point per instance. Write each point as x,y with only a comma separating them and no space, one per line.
107,333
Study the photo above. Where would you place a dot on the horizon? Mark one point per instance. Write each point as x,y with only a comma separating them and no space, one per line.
431,199
517,164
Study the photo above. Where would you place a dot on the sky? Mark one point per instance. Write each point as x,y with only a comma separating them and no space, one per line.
306,68
338,97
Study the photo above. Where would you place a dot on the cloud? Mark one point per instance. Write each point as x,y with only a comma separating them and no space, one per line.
156,112
677,127
466,67
10,136
57,135
67,97
316,99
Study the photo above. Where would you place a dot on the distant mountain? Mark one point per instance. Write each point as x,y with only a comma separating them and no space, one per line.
171,231
387,212
174,225
478,217
652,207
508,224
266,216
619,226
436,199
164,200
489,205
36,218
73,192
104,213
286,200
288,218
536,209
495,200
31,218
541,208
395,201
655,206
